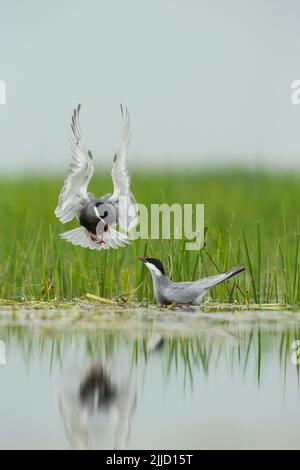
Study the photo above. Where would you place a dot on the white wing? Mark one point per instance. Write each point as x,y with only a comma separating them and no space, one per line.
80,236
121,180
75,419
74,195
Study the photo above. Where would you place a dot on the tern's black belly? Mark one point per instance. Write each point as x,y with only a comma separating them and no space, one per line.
88,221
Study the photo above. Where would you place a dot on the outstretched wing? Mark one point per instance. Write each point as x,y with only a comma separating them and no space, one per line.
122,195
74,195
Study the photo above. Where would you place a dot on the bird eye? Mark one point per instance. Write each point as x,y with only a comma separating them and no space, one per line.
104,215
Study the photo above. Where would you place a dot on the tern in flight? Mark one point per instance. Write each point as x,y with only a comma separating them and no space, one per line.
97,216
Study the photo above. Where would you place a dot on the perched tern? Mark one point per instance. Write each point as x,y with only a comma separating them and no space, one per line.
167,292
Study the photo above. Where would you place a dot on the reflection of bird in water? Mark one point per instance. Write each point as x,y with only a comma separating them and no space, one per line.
102,405
155,342
96,390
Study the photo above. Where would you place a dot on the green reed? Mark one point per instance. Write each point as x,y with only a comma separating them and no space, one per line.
251,217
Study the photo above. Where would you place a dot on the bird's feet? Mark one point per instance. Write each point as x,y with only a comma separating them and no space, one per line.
95,239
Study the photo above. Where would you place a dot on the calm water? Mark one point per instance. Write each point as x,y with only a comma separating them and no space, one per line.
149,380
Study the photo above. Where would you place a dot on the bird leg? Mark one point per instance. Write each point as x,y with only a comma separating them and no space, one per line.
95,239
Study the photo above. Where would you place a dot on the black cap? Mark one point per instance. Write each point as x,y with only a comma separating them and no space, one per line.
157,263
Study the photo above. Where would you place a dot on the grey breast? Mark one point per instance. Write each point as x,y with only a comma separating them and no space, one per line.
161,285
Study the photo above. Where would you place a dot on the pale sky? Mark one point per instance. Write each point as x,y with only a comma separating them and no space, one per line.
205,81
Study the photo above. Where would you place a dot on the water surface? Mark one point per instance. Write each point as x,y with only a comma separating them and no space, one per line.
149,380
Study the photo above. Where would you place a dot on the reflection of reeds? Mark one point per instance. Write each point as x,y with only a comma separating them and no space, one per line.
246,349
251,218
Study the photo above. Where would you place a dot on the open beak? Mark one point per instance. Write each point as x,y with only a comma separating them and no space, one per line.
141,258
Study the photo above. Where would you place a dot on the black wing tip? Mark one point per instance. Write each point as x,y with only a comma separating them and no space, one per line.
75,127
236,270
122,107
76,109
240,268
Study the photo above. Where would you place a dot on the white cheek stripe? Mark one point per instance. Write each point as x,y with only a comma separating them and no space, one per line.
153,269
96,212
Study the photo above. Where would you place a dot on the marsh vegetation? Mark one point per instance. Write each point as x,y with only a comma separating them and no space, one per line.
251,218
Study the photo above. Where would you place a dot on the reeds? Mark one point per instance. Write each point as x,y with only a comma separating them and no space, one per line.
242,346
252,218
